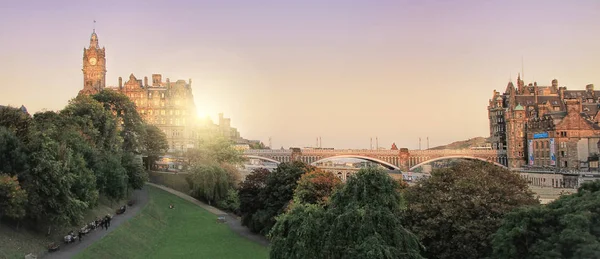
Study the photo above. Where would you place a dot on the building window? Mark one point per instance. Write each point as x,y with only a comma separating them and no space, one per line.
162,112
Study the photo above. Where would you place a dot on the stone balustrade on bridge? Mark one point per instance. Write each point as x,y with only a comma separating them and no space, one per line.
402,159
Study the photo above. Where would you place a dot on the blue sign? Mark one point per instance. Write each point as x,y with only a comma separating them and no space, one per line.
552,155
530,151
540,135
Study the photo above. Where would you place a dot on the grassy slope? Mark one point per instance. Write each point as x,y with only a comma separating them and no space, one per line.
187,231
17,243
463,144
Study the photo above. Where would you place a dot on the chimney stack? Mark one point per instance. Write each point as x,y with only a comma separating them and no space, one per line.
145,81
120,82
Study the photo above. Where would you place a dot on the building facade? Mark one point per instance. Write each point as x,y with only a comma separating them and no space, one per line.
546,126
168,105
165,104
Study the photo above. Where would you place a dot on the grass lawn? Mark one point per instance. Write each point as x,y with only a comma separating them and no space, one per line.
187,231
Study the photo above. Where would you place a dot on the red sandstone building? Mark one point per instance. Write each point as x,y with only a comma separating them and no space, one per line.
546,126
168,105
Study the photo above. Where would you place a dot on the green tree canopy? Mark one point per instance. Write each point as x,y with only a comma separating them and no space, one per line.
210,182
273,196
136,175
216,149
13,155
154,143
95,124
565,228
363,220
456,210
130,122
12,197
50,182
248,192
15,120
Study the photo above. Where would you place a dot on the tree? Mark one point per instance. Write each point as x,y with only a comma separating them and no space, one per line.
209,182
231,202
363,220
456,210
300,233
248,192
82,162
13,156
49,183
132,125
233,173
275,196
136,175
112,176
12,197
257,145
154,143
97,125
217,149
315,187
15,120
565,228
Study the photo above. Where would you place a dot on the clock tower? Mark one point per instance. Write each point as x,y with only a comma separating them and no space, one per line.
94,67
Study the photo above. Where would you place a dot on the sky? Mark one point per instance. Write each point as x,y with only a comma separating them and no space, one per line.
345,71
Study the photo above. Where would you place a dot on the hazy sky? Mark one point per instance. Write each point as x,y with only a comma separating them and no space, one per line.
294,70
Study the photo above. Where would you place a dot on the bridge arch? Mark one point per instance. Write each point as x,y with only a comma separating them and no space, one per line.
262,158
455,157
374,160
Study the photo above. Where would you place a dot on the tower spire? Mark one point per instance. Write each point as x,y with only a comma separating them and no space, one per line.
94,28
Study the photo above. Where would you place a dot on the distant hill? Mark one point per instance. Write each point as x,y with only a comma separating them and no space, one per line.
464,144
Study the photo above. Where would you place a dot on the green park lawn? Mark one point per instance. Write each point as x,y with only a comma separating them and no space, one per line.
187,231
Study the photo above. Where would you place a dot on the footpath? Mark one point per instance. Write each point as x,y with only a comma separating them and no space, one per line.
70,250
231,220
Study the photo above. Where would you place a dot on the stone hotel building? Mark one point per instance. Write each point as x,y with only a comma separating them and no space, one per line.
168,105
546,126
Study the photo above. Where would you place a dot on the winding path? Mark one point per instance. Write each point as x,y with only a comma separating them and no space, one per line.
69,250
231,220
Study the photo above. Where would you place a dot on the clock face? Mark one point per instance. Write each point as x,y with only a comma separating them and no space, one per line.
92,61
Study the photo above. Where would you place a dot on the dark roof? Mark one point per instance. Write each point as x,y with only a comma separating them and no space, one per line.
525,100
590,109
572,94
554,100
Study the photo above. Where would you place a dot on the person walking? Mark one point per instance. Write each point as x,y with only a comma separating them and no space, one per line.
79,235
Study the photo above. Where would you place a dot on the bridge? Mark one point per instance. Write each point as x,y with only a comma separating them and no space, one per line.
401,159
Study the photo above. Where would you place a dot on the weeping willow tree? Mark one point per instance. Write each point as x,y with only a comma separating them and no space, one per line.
363,220
210,182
